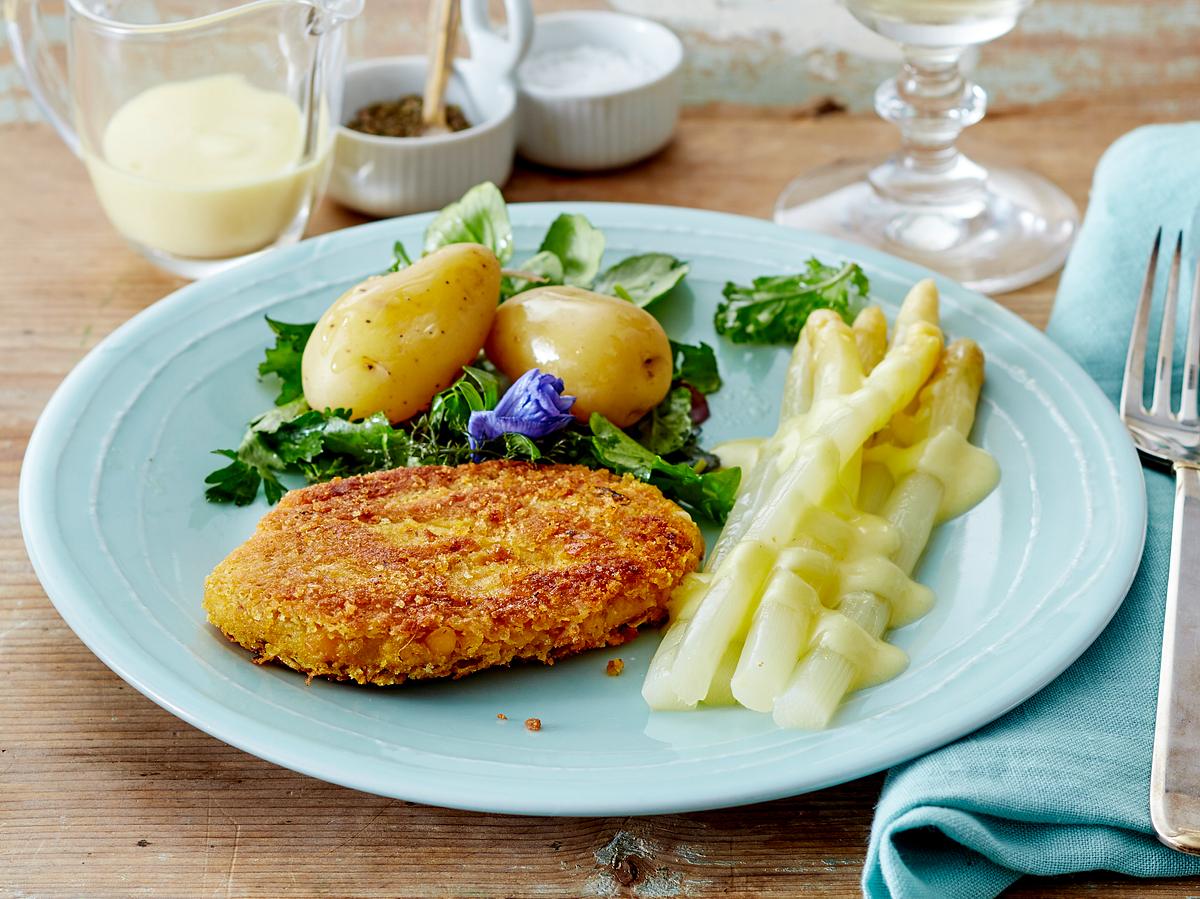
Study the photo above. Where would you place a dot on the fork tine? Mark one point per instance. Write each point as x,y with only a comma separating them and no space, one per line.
1161,404
1191,360
1135,360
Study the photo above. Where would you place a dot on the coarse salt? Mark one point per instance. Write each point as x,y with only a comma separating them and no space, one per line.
593,67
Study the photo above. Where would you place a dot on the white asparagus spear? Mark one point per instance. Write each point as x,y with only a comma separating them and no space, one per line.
798,382
777,635
722,612
920,305
949,400
847,420
827,339
870,336
656,688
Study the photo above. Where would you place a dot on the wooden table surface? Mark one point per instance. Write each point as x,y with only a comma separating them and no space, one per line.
102,793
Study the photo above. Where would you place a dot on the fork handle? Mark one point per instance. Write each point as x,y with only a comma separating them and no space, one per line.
1175,770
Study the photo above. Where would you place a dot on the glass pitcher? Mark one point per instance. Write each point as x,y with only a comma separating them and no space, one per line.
206,126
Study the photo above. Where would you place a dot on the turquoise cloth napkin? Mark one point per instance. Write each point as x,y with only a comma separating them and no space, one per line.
1061,783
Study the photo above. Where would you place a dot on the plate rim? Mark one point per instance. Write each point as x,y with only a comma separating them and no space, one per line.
37,526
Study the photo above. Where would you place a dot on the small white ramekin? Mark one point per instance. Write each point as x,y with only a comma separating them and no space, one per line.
588,129
385,176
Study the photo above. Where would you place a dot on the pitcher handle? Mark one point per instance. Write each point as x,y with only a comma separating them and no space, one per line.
501,54
43,75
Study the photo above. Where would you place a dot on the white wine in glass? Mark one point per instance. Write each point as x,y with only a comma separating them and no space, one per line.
939,22
992,229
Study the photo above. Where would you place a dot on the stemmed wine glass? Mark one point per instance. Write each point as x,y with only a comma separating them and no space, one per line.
992,229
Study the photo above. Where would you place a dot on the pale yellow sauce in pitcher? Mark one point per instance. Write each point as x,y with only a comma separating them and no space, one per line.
205,168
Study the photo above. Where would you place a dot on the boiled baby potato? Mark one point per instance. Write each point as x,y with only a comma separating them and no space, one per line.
393,341
613,357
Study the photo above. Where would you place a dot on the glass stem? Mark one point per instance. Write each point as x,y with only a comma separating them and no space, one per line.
931,103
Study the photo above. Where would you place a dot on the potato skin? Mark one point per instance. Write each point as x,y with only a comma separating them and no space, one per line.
613,357
393,341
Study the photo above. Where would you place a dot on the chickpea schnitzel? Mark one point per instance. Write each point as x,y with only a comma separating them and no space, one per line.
439,571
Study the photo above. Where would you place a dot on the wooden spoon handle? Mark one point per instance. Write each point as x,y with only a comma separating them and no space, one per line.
444,19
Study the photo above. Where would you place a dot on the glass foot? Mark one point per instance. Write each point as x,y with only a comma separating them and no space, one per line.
1014,233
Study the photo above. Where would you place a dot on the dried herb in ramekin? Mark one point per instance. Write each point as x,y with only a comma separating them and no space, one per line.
402,118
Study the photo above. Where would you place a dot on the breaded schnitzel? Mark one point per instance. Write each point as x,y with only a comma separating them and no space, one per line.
439,571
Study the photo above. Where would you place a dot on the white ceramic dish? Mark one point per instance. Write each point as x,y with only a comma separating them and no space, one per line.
593,128
385,176
115,521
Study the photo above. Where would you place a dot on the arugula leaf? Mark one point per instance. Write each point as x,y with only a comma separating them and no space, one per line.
696,365
400,258
774,309
578,245
668,427
710,494
283,359
642,279
545,263
479,217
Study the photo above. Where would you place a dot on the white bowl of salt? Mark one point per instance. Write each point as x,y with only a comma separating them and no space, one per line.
597,90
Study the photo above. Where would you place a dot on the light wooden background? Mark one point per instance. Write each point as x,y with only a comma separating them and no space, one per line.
104,794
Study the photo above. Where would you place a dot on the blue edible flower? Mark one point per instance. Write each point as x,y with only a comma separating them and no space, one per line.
534,406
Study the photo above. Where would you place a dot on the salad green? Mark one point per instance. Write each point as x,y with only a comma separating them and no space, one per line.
570,252
774,309
293,439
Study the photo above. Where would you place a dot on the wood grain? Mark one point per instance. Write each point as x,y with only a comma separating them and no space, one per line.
102,793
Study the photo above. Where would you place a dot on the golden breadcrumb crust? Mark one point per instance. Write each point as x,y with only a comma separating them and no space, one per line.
440,571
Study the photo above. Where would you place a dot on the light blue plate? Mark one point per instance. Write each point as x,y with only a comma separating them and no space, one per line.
121,537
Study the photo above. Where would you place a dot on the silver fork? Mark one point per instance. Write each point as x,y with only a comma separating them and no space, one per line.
1171,439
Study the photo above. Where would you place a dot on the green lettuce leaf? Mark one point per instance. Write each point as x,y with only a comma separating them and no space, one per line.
710,494
668,427
578,245
642,279
479,217
696,365
544,263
